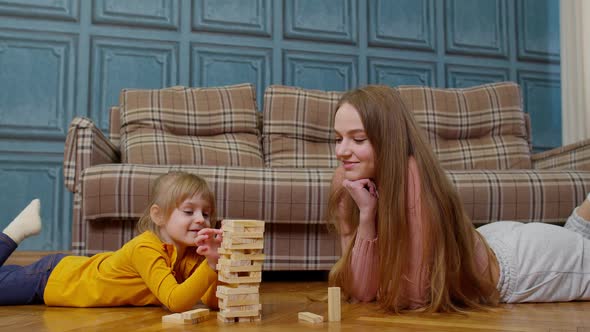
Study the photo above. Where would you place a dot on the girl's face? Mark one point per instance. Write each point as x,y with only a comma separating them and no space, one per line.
353,148
186,220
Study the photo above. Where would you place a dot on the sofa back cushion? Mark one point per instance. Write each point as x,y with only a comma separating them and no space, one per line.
482,127
298,127
199,126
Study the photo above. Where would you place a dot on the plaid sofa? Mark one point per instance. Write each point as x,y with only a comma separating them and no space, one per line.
276,165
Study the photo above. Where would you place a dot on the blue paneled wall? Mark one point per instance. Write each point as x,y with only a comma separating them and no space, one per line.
66,58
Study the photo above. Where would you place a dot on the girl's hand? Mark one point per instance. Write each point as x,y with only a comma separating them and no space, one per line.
208,241
364,193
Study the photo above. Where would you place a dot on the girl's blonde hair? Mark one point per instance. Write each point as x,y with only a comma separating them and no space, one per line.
168,193
455,282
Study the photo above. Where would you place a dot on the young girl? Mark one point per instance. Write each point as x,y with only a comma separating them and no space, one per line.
406,239
171,263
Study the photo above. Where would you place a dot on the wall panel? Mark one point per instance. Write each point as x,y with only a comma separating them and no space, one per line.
402,24
321,71
230,16
149,14
215,65
541,90
477,27
37,83
396,72
125,63
327,20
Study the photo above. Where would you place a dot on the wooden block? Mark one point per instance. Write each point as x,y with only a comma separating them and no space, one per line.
252,254
240,309
256,227
251,268
230,320
243,222
242,230
310,317
224,319
232,246
238,235
237,262
226,301
173,318
334,310
239,280
247,274
241,240
196,313
246,289
179,319
235,314
242,276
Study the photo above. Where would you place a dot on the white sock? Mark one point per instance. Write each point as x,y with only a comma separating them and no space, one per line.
27,223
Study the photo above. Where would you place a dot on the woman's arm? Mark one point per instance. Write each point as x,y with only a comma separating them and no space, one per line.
416,279
364,257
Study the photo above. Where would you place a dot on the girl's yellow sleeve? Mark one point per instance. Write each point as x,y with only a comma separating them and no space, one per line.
155,268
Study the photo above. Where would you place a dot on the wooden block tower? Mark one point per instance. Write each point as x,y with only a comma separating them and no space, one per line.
240,269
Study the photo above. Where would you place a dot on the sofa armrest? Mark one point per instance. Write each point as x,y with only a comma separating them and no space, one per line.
574,156
86,146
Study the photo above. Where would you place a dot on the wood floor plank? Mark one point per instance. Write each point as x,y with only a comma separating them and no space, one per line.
282,300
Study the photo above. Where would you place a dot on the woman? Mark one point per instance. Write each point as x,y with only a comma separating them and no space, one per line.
406,239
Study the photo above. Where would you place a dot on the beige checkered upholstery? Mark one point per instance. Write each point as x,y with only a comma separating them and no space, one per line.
298,127
190,126
481,136
477,128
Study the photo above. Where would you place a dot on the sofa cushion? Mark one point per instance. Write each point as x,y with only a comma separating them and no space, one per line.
300,195
298,127
199,126
482,127
279,195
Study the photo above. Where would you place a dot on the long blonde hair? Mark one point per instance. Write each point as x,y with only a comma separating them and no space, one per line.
169,191
455,282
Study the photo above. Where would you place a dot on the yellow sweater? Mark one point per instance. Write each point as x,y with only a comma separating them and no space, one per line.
144,271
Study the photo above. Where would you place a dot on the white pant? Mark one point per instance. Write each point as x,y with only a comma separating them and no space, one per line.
541,262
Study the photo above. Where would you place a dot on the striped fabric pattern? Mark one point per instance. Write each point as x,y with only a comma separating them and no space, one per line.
197,126
571,156
115,125
85,146
293,203
482,127
298,128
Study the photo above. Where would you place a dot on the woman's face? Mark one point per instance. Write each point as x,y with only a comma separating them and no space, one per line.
353,148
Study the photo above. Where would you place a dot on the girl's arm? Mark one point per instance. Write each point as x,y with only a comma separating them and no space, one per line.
155,269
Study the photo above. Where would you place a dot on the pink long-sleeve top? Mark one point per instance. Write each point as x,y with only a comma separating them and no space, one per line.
365,255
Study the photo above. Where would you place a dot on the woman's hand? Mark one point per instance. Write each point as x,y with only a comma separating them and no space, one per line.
364,193
208,241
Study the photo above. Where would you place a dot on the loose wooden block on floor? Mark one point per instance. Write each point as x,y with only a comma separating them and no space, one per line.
196,313
188,317
334,309
310,317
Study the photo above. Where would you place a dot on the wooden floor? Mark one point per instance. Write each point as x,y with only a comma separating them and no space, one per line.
283,296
